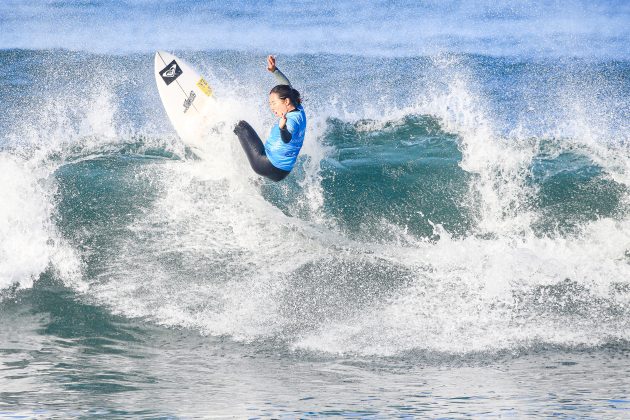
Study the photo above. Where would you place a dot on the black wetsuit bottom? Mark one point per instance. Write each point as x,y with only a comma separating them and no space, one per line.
255,151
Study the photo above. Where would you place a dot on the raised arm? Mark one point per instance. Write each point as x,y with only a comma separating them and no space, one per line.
280,77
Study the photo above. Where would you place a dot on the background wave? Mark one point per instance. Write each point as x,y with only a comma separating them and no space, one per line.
520,28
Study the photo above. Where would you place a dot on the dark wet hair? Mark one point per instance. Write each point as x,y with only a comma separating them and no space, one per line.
286,91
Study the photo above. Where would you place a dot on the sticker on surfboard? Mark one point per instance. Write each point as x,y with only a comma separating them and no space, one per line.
171,72
204,86
189,100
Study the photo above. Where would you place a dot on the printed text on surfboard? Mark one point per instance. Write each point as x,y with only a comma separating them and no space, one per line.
188,102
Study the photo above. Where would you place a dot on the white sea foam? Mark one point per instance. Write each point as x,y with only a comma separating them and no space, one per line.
29,241
475,295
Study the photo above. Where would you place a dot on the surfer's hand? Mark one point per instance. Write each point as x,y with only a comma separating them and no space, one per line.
283,120
271,63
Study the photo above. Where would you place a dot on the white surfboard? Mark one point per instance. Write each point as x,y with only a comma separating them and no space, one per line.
186,97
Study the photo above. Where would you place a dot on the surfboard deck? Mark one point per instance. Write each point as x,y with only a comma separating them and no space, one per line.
185,94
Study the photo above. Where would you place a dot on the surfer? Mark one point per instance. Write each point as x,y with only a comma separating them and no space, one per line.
278,155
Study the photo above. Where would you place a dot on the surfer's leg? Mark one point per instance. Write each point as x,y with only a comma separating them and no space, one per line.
255,152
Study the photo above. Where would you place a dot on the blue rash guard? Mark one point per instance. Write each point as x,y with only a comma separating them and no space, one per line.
284,155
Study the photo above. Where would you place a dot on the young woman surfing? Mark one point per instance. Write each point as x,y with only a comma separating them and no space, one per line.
276,158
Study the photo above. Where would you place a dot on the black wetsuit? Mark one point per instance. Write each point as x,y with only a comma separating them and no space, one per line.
255,151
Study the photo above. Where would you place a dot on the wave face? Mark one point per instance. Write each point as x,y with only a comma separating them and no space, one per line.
443,204
521,28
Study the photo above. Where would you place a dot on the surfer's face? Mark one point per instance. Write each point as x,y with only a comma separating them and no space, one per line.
279,106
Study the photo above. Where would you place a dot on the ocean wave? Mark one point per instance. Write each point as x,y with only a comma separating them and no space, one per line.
436,212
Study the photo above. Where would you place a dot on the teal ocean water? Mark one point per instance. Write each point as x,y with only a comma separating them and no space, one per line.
454,241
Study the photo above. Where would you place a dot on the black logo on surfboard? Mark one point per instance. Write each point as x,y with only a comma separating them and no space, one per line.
171,72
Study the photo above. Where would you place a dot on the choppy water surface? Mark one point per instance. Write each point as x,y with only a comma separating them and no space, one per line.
455,240
70,359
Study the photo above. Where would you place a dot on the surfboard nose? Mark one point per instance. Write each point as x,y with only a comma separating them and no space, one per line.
158,55
160,58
